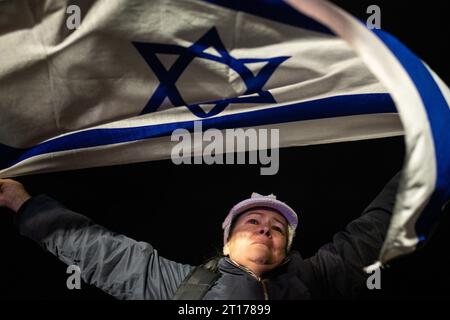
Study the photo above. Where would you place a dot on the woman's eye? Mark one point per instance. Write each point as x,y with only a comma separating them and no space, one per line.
253,221
278,229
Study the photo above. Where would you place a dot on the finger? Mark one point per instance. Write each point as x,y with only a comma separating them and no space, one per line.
2,182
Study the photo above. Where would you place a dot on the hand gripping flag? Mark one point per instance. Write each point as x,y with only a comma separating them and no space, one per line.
113,89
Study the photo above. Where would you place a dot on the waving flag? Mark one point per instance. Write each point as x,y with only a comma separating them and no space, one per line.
114,89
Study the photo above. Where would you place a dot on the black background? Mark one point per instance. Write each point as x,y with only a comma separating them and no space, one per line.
179,209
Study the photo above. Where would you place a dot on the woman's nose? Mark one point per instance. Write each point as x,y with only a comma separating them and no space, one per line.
265,230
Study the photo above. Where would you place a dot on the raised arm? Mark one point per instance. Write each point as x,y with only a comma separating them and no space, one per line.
120,266
338,265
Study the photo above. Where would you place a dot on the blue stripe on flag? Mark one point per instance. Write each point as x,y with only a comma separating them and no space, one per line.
276,10
438,113
317,109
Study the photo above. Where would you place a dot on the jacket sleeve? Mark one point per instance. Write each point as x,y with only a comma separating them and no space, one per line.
337,267
118,265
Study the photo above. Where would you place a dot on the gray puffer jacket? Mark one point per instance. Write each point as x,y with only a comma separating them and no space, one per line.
128,269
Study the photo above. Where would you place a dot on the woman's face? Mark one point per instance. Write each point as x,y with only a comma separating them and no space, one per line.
258,240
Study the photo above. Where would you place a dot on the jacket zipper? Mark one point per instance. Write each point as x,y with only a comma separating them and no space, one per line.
266,294
260,280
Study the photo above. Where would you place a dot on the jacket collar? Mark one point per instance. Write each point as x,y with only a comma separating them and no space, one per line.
227,265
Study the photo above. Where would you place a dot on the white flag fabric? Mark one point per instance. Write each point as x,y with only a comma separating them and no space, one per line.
114,89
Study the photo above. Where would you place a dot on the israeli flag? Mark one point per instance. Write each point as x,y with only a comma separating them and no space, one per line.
107,82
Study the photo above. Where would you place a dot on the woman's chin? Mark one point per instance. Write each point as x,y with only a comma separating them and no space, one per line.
260,256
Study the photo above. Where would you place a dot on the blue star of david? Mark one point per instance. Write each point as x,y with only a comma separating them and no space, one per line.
167,78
